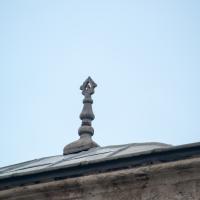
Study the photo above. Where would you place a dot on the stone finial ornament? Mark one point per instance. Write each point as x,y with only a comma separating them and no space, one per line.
85,131
87,114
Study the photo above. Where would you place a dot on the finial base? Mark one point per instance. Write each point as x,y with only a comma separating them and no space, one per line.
83,144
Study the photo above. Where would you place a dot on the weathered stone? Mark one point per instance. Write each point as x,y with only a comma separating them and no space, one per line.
178,180
86,131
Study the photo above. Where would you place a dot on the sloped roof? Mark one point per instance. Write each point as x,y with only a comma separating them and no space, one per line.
93,155
94,160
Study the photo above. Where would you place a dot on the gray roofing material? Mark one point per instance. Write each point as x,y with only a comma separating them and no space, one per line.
97,154
95,160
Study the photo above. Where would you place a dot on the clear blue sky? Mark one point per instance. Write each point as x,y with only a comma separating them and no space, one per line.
144,56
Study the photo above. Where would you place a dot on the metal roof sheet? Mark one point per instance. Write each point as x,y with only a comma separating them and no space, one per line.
93,155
